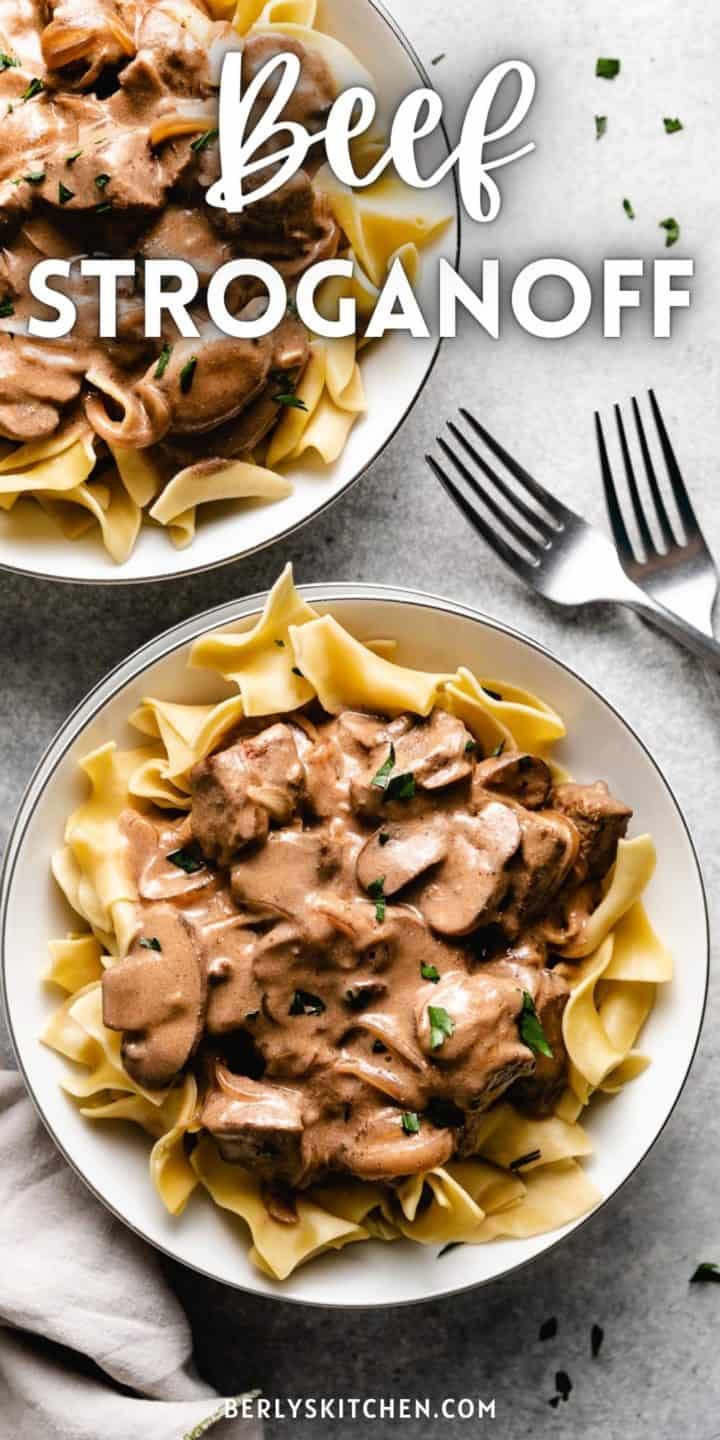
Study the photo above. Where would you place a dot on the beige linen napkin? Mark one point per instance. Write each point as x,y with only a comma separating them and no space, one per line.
92,1340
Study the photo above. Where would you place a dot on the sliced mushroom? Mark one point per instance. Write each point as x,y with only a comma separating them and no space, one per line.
526,778
472,881
399,853
156,996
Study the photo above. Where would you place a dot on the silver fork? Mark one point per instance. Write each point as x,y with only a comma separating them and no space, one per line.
682,576
543,541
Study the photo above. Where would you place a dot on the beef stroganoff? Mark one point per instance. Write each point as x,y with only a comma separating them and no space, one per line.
108,146
358,954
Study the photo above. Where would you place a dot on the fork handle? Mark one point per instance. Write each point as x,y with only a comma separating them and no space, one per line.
694,640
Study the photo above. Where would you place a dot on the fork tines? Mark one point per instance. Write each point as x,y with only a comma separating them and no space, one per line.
670,539
533,527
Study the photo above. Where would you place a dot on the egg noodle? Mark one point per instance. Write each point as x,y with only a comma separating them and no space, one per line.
68,474
613,982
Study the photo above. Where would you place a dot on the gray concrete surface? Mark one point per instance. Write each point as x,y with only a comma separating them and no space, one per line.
657,1374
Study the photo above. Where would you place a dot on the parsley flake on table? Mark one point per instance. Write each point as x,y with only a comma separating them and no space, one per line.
672,230
607,69
672,126
706,1272
531,1030
628,208
600,126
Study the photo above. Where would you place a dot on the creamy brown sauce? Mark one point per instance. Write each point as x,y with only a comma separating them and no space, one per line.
342,938
82,172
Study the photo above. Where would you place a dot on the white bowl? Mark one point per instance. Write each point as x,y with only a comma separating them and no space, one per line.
394,373
438,635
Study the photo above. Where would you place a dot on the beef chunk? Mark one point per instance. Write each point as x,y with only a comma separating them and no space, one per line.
256,1124
539,1091
237,791
600,820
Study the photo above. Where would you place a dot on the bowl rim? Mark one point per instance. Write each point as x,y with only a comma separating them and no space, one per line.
168,642
114,580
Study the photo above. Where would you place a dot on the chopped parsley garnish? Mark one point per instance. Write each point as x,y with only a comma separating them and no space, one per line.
442,1026
163,361
494,694
103,208
628,208
185,860
400,787
10,108
70,159
35,177
498,750
303,1003
607,69
600,126
290,401
672,126
64,194
380,780
395,787
383,837
33,89
531,1031
563,1384
597,1335
470,746
707,1271
549,1328
672,230
8,62
101,181
187,374
201,142
528,1159
410,1122
430,972
151,943
6,309
375,891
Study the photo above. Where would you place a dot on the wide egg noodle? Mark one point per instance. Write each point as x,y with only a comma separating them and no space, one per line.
345,674
554,1196
277,1248
99,884
209,482
260,660
75,961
